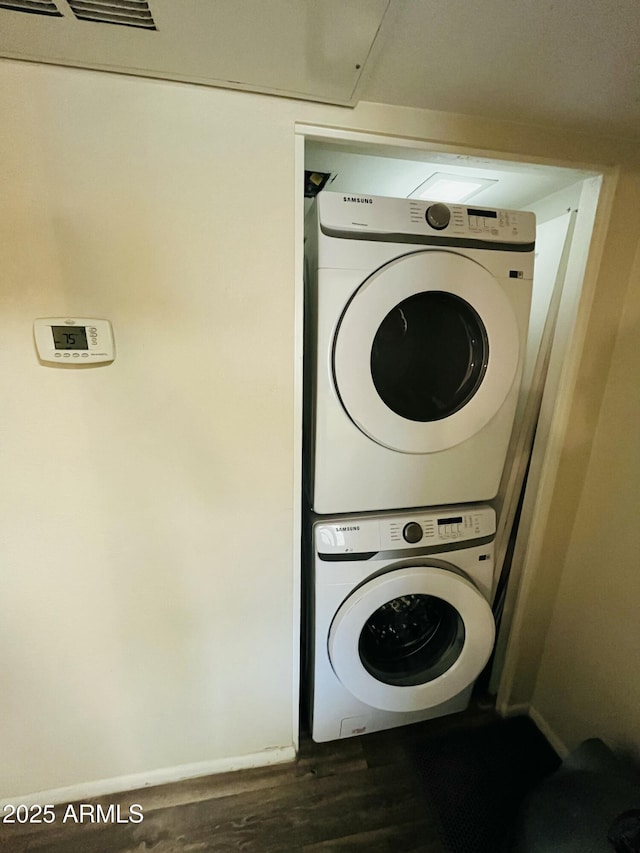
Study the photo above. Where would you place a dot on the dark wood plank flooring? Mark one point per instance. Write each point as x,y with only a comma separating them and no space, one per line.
351,795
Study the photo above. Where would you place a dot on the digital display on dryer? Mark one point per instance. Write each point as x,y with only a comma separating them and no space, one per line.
457,520
474,211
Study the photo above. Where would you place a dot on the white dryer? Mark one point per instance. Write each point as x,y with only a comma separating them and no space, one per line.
399,617
416,320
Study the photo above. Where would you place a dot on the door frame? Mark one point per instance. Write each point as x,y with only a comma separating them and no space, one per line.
592,224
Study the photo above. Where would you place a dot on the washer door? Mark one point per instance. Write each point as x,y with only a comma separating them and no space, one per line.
411,638
426,352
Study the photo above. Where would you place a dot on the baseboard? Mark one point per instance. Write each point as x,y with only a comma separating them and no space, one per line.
164,776
556,742
513,710
528,710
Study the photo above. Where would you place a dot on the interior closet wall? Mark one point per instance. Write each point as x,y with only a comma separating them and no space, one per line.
555,226
553,239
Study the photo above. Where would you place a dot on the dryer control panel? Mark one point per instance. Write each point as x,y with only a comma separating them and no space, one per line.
394,532
407,220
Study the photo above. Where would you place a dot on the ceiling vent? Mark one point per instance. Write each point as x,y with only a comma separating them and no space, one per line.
127,13
35,7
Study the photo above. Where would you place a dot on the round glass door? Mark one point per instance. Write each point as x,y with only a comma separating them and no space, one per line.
411,638
426,352
429,356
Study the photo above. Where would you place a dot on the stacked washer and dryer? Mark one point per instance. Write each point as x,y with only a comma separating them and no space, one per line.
416,318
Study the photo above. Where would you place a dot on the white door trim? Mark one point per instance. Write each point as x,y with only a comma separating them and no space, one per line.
595,213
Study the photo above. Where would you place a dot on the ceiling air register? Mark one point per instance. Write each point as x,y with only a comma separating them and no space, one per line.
128,13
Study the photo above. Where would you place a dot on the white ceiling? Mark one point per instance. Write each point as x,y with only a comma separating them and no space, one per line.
387,171
554,62
569,63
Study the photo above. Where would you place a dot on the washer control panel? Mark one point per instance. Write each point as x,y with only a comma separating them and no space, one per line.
389,531
73,341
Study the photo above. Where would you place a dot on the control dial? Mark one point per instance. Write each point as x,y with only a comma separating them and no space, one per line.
438,216
412,532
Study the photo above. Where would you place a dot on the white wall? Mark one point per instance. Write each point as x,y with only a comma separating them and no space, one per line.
146,507
147,518
588,683
564,461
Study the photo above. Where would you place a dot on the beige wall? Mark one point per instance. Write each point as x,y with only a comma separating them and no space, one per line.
558,529
147,523
146,508
588,683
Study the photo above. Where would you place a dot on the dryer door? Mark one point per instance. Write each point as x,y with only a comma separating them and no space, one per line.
411,638
426,352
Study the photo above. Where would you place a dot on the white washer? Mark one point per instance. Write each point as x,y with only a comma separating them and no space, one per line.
416,326
399,617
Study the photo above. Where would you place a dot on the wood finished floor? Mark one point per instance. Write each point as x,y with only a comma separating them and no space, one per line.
351,795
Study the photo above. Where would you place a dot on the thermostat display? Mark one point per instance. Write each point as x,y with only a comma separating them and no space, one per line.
70,338
73,341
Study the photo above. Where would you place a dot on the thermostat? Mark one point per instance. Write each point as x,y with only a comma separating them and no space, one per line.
74,341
